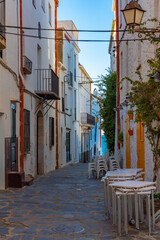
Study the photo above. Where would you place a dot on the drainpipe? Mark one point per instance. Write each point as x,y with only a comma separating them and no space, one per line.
118,69
56,71
21,80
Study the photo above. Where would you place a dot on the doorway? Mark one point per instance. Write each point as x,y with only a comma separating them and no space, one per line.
40,143
128,144
140,146
13,137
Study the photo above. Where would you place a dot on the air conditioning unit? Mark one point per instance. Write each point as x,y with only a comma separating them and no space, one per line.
2,38
27,65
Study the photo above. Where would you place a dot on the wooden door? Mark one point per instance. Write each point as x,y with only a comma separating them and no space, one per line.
128,146
140,146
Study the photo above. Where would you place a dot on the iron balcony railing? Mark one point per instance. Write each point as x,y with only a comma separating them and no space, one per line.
87,119
47,84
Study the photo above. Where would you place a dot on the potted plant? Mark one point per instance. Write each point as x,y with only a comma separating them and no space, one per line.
158,114
130,114
130,131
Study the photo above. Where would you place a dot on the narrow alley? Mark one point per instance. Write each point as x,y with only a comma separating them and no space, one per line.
62,205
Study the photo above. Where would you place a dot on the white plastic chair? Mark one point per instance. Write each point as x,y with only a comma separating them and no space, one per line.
91,169
113,164
101,167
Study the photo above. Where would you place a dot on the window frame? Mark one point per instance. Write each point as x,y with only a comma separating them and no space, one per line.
43,5
34,3
50,14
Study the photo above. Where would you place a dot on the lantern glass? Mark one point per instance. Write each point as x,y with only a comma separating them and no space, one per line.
138,16
129,15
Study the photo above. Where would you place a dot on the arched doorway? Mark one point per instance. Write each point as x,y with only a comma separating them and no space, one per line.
40,143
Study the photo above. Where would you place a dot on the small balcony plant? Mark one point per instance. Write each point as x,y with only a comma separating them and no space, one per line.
130,114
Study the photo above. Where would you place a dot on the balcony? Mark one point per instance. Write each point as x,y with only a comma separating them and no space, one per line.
2,28
87,120
27,65
70,79
47,84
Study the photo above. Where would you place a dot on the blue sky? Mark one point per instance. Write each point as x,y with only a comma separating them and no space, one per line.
90,14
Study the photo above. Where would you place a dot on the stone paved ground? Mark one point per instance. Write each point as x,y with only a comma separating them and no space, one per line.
62,205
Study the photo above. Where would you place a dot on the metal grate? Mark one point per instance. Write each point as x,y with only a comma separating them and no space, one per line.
68,229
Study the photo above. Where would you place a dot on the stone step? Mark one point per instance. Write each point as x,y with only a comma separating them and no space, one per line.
28,181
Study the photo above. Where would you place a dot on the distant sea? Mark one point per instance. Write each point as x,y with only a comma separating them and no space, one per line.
104,145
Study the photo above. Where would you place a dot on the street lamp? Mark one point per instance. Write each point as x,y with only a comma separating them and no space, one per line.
133,13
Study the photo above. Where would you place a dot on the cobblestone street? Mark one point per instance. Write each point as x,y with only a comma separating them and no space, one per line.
62,205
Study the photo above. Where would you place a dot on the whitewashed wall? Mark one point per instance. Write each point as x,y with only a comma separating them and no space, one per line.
134,55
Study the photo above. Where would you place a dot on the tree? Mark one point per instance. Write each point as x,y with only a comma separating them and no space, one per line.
107,92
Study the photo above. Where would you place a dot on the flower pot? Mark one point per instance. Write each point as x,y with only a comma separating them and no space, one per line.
130,116
130,132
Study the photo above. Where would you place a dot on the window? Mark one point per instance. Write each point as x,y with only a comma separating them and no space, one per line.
51,131
63,108
75,68
75,105
1,54
68,146
39,30
26,131
34,3
50,14
43,5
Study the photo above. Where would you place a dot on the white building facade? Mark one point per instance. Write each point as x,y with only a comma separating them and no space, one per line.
87,120
9,93
68,58
96,139
133,55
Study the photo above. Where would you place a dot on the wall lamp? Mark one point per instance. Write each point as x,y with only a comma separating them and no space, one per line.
133,13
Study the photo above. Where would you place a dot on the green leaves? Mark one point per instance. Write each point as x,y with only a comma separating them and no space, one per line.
107,90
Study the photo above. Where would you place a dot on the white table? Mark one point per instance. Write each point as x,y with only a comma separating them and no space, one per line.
135,186
117,175
123,172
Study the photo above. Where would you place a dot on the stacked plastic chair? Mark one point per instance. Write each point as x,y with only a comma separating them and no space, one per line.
101,167
113,164
91,169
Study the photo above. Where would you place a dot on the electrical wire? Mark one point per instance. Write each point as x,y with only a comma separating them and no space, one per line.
75,40
80,30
